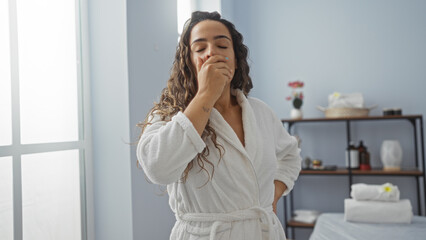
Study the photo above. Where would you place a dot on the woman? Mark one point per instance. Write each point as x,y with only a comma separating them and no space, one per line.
225,158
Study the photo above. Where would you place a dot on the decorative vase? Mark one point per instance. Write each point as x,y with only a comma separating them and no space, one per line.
391,155
296,113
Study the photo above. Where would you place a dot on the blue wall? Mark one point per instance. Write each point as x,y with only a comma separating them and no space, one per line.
152,40
375,47
110,121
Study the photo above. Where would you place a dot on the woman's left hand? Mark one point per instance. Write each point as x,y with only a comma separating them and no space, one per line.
280,188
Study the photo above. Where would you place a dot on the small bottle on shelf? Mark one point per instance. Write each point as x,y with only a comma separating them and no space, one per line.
364,157
352,153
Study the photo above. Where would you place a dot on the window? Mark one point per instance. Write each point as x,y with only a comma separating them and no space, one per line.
43,143
186,7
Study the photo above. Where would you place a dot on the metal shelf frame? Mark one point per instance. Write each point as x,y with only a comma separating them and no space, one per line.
420,175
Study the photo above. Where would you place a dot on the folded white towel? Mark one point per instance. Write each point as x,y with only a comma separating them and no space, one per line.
385,192
306,216
300,212
345,100
378,212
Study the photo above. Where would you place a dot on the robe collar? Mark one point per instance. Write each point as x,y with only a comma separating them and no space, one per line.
225,131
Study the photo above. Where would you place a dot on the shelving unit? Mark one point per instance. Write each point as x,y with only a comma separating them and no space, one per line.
418,172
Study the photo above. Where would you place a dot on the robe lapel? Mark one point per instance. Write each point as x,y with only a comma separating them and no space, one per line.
224,130
251,136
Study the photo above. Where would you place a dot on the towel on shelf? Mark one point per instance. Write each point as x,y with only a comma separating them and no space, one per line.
378,212
384,192
305,216
345,100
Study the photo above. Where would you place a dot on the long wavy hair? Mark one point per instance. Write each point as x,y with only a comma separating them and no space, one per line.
182,84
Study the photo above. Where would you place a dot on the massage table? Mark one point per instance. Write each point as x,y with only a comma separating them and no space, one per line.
332,226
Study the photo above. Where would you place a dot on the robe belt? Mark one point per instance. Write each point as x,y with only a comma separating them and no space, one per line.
221,218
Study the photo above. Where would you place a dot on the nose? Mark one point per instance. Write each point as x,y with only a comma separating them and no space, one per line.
211,51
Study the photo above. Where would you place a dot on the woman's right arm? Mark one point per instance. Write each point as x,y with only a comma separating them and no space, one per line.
166,148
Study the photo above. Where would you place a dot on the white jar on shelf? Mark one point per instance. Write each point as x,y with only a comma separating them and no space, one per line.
391,155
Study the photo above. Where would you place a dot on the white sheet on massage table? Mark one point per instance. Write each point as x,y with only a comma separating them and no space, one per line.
332,226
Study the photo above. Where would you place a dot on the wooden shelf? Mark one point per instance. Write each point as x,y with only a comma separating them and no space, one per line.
351,118
293,223
381,172
419,151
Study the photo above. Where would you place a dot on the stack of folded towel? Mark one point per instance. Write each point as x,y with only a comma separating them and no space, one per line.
305,216
377,204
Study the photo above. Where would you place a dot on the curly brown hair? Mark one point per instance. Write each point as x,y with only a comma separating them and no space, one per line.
182,84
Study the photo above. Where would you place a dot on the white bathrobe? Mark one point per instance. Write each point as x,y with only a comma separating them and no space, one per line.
237,202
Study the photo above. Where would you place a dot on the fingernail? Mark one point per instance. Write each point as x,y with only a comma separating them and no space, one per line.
226,58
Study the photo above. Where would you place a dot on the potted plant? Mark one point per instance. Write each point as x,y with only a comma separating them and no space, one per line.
297,99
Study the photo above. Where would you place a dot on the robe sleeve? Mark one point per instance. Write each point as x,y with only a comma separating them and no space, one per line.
289,162
166,148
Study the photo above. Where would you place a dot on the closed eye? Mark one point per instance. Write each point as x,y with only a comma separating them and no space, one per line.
200,50
223,47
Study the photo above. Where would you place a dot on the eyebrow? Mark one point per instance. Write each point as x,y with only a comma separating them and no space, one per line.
215,38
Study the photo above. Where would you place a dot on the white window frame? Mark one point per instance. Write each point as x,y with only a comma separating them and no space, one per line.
84,143
196,5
